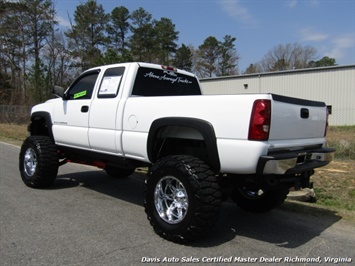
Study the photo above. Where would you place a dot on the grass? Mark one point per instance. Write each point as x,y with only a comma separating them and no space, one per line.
334,184
343,140
14,134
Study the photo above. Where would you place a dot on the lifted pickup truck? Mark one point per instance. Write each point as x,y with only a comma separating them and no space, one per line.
199,149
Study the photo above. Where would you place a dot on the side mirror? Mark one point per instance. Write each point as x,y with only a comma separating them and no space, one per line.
58,91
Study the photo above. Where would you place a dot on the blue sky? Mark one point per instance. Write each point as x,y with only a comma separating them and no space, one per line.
258,25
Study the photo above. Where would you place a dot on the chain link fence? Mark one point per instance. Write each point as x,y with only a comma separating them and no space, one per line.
15,114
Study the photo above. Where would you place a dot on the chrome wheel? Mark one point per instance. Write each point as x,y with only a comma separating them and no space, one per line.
171,200
181,198
30,162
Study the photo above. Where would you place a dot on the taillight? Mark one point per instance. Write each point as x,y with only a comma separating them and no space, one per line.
260,119
326,123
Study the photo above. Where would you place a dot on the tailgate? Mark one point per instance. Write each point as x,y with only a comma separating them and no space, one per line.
293,118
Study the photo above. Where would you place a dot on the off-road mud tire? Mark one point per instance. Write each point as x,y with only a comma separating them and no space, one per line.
250,201
196,184
38,162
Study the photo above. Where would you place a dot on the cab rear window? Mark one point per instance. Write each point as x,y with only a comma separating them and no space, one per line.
161,82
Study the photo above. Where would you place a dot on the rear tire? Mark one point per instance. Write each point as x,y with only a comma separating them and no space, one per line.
38,162
182,198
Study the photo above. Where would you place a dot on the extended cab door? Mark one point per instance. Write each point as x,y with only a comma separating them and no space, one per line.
105,121
71,116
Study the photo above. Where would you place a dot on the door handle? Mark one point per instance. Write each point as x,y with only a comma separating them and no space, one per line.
304,113
84,109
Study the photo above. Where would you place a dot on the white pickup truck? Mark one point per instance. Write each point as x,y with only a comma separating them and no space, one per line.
199,149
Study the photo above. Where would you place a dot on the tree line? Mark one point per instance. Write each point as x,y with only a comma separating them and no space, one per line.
36,53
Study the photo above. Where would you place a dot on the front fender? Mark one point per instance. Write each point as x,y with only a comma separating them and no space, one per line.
34,129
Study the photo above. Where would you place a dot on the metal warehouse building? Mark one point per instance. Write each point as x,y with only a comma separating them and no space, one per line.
333,85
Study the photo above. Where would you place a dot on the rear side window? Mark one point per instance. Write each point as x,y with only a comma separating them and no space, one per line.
160,82
110,83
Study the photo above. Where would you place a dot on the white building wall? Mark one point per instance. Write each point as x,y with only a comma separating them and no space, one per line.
333,85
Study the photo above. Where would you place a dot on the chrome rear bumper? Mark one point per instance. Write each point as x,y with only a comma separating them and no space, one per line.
294,162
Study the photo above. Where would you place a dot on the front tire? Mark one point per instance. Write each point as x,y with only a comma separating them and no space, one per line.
182,198
258,200
38,162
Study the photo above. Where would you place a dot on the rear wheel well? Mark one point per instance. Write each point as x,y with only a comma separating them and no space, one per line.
178,140
176,146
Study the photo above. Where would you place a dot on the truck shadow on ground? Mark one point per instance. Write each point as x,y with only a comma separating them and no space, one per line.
282,227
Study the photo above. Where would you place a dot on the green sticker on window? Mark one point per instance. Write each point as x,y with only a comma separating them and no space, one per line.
79,94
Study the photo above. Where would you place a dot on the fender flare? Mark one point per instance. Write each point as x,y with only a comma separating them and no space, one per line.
47,117
202,126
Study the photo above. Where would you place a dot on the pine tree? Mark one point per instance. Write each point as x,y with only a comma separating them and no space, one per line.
118,28
40,15
88,35
183,58
165,37
142,39
228,57
208,53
